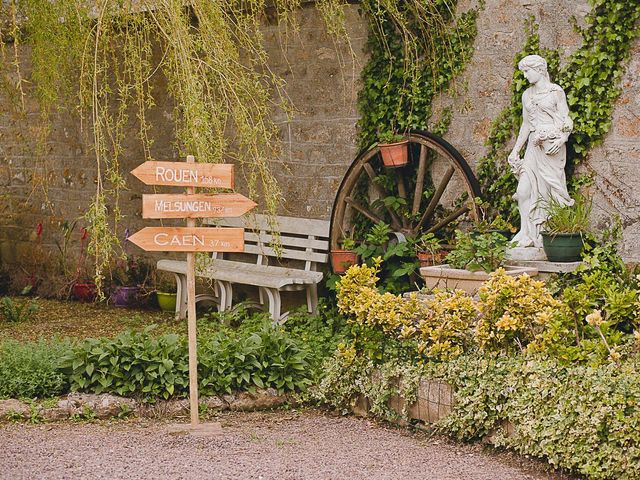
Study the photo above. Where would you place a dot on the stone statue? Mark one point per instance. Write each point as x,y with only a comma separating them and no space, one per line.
545,129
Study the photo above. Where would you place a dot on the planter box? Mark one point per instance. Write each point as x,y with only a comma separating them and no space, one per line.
443,276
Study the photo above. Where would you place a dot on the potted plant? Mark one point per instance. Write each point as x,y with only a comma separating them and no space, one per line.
342,259
82,288
470,262
166,294
562,236
129,276
393,149
428,250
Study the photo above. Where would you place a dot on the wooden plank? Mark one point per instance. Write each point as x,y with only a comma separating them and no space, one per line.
301,242
195,206
298,226
189,239
181,174
287,253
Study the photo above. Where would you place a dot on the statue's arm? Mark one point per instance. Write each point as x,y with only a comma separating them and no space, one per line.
523,134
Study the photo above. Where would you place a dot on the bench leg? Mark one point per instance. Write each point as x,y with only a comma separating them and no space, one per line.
273,297
181,296
312,298
225,293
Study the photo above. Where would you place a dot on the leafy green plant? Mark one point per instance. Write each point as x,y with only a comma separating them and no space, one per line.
15,311
132,364
389,137
427,242
568,218
398,257
265,358
478,252
30,370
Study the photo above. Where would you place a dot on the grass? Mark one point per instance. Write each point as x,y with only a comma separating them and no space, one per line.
56,318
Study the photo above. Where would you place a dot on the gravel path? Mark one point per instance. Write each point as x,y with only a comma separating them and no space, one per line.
275,445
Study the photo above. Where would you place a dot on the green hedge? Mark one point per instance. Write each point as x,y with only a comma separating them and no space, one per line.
30,370
141,364
583,418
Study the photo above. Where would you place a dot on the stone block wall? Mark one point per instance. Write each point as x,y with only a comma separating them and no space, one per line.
320,140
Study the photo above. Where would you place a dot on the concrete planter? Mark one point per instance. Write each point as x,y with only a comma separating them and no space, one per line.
443,276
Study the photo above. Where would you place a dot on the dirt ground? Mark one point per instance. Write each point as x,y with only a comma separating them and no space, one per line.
269,445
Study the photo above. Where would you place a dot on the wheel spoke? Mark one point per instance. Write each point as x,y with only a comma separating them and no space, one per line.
450,218
366,212
396,223
402,193
417,193
435,199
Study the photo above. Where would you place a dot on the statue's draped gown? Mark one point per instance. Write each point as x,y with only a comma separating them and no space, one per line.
547,115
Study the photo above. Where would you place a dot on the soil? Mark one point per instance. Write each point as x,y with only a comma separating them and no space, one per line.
261,445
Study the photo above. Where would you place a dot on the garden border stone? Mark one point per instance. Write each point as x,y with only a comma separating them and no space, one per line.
104,406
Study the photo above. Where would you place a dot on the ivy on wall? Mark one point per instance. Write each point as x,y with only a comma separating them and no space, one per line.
591,80
398,90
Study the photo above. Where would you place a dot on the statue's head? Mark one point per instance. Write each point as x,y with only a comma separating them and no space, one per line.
534,62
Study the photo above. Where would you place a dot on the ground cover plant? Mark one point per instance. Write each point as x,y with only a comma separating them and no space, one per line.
558,362
150,362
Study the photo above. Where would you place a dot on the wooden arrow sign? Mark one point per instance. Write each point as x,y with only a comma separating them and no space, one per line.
195,206
189,239
182,174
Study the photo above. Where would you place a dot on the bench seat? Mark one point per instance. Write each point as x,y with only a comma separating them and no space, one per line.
302,240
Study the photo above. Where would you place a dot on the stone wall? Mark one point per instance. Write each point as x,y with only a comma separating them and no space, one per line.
319,143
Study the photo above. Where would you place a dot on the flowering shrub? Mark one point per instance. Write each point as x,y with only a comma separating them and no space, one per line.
514,310
441,325
445,331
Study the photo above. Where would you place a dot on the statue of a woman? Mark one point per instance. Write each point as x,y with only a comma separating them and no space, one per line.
545,129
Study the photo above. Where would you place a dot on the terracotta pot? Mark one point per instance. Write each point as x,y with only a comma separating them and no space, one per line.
85,292
394,154
125,296
167,301
341,260
427,259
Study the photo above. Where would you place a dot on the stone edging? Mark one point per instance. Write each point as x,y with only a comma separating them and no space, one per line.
103,406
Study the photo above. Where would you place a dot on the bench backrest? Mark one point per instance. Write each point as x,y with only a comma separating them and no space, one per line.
301,239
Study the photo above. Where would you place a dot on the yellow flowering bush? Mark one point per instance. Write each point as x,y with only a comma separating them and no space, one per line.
513,311
441,325
445,331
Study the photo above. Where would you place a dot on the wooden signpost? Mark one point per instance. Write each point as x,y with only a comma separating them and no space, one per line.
190,239
195,206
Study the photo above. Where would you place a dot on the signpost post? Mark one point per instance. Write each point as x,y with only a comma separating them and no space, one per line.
191,239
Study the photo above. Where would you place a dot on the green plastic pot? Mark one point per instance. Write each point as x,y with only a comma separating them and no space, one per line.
562,247
167,301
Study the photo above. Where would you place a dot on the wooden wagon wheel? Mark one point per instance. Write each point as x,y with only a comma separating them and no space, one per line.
434,190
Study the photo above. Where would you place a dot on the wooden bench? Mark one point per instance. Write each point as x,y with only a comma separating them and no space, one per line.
305,248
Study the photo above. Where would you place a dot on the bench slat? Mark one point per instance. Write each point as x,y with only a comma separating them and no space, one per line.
286,253
301,226
267,238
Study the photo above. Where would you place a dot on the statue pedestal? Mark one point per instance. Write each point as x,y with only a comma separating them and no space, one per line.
526,254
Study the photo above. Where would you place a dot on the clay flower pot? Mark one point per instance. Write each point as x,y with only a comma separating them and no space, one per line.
427,259
394,154
85,292
341,260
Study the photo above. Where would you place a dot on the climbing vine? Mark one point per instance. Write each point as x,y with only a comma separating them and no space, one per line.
591,80
410,63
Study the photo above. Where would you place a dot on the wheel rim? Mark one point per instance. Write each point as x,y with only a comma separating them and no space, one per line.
428,201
